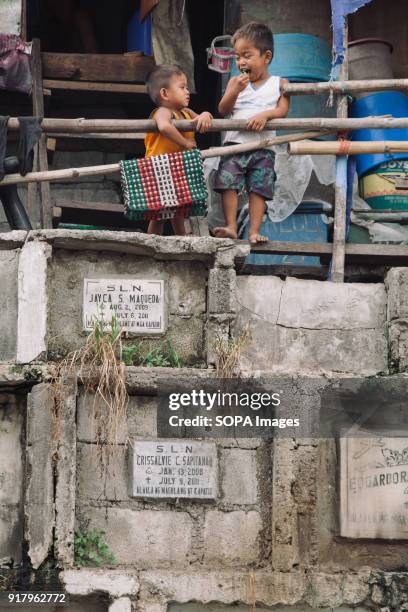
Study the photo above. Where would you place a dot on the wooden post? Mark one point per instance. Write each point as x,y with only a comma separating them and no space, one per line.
340,193
23,27
45,217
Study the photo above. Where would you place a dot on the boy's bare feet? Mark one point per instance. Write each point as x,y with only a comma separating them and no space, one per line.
225,232
255,237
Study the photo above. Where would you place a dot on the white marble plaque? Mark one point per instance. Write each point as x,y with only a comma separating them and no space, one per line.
173,469
374,487
138,304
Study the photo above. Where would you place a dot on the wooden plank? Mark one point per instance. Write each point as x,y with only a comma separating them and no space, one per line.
96,67
383,254
294,248
82,205
23,28
38,110
90,86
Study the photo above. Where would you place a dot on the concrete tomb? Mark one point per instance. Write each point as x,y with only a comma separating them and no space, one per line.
138,304
374,487
171,469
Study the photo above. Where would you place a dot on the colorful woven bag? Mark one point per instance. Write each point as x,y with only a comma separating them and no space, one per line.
164,186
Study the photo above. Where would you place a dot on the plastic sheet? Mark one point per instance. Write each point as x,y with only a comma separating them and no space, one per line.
293,175
379,232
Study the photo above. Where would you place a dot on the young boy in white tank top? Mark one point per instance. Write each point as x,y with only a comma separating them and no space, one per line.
254,96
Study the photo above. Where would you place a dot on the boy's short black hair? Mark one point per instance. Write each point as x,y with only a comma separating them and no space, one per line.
159,77
258,33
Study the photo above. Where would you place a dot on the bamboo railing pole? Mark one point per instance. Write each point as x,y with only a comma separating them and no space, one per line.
72,173
340,188
262,144
59,175
347,147
298,148
345,87
83,126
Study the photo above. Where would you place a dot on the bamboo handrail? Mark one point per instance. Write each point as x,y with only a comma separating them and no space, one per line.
349,147
71,173
81,125
345,87
299,148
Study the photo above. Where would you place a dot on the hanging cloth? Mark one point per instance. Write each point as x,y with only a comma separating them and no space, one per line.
341,8
171,37
30,133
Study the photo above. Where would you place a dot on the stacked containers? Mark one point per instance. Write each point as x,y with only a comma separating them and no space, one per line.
383,177
299,58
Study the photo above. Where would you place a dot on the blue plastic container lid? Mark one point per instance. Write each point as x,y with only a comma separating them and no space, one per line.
392,103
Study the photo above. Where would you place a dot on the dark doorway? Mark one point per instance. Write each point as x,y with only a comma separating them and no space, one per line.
206,22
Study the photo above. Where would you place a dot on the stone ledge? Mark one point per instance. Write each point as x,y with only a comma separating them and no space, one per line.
116,583
13,239
11,376
137,243
145,380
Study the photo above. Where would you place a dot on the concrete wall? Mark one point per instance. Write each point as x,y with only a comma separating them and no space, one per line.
10,11
379,19
375,20
296,325
312,326
158,534
290,16
272,535
8,303
12,413
186,300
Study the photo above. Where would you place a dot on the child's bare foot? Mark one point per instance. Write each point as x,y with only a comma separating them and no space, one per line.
255,237
225,232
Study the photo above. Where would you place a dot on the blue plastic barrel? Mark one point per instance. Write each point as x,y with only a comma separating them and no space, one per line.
305,106
299,57
139,35
305,224
392,103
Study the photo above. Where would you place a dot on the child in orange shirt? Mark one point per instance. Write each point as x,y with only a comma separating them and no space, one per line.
167,87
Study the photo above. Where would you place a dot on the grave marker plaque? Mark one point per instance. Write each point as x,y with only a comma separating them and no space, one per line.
184,469
138,304
374,487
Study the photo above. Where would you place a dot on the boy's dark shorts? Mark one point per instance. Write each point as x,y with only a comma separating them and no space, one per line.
255,170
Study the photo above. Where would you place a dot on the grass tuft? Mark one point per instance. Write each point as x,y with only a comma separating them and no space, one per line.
228,353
